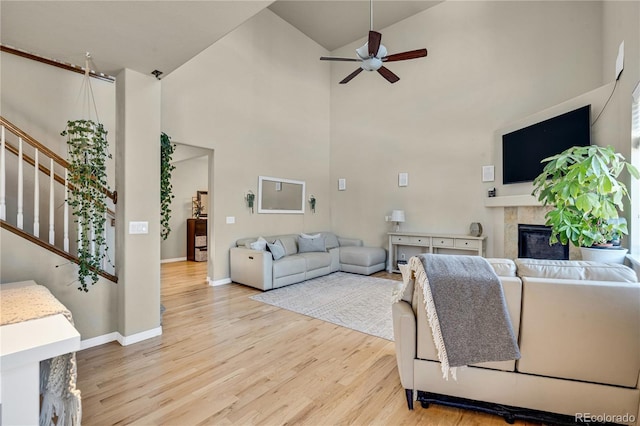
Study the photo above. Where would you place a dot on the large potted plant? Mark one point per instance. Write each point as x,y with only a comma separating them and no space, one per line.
582,185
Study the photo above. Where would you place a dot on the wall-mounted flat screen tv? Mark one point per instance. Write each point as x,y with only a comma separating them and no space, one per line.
524,149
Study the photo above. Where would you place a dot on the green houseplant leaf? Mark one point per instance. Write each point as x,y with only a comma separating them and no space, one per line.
582,185
166,154
87,148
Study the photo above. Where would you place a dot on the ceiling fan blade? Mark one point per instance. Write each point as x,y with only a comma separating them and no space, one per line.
350,76
331,58
374,42
391,77
412,54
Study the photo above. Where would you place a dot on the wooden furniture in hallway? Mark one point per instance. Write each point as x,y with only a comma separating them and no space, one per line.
197,240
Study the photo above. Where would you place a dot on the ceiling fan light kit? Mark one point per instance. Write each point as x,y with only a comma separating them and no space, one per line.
373,54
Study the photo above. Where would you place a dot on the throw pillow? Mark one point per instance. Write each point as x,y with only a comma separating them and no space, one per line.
276,249
330,240
311,236
259,244
310,244
289,244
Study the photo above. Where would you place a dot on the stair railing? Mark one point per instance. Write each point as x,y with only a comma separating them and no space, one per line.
40,158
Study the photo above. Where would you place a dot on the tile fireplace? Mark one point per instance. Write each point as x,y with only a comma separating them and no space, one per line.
531,215
533,243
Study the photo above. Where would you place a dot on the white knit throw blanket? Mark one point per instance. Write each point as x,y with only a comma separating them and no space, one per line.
57,375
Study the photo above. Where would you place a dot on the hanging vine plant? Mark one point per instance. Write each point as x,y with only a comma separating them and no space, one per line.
166,153
87,154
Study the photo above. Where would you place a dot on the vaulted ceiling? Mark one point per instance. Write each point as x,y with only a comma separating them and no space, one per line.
149,35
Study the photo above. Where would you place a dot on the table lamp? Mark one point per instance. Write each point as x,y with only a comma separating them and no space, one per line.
397,216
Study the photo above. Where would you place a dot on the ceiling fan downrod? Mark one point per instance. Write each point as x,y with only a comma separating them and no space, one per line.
370,15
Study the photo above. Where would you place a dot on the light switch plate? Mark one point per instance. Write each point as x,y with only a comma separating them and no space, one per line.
488,173
138,227
403,179
342,184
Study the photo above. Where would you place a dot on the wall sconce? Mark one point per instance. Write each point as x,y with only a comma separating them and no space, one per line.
312,203
397,216
249,198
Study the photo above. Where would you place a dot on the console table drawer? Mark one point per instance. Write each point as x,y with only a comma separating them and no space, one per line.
420,241
400,239
470,244
442,242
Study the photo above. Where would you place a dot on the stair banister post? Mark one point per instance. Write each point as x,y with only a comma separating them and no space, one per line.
66,211
3,178
36,196
52,232
20,216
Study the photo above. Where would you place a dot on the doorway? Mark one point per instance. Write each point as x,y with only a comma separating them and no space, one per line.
189,239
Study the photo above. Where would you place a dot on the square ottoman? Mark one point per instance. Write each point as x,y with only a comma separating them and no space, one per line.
362,260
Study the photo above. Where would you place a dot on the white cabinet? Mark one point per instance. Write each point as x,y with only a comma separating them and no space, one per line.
418,242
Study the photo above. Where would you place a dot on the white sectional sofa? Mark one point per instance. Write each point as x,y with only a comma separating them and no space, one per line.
301,259
578,329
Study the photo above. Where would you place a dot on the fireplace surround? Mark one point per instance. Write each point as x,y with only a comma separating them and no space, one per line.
535,215
533,243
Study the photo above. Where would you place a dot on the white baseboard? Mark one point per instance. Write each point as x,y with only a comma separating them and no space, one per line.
139,337
99,340
218,282
123,340
176,259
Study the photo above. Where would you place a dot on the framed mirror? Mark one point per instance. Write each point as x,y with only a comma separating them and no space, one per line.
277,195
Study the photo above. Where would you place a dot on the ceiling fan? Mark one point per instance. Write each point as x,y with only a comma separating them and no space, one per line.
373,54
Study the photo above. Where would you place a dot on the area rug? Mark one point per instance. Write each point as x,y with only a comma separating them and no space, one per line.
354,301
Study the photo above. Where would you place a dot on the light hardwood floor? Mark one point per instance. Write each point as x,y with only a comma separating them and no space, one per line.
224,359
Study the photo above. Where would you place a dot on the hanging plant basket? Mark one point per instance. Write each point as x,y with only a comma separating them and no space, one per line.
166,154
87,154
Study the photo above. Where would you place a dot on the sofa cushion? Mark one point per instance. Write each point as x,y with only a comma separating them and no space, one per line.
289,265
575,270
289,244
503,267
581,330
306,245
316,260
276,249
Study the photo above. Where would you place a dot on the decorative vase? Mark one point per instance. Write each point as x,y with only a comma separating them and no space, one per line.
604,255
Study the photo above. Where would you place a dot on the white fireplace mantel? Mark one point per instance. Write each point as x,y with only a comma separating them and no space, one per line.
512,201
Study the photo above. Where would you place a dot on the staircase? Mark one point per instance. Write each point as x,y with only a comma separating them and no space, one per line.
33,198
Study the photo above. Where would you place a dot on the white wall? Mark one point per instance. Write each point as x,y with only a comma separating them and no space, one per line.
621,21
260,98
489,64
138,185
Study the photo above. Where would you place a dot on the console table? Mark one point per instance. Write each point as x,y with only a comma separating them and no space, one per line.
432,243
